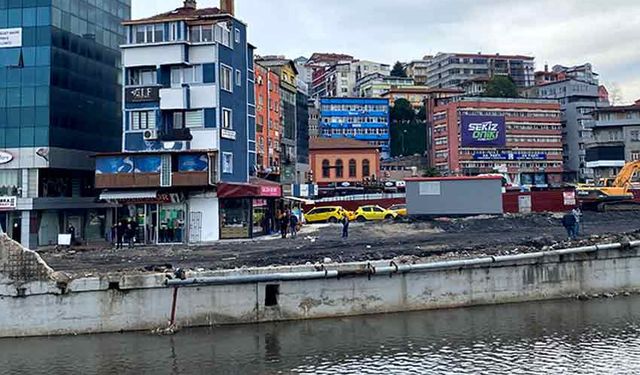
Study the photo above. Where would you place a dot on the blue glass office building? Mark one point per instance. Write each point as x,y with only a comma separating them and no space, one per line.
60,100
364,119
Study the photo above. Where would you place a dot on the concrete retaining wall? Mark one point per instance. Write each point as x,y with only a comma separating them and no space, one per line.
143,302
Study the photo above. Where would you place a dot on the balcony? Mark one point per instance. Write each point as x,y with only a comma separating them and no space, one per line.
203,96
174,98
153,55
190,179
176,135
127,180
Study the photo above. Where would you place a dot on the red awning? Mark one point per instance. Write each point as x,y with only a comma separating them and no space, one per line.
256,188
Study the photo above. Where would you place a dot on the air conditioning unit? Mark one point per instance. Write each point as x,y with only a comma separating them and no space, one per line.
150,135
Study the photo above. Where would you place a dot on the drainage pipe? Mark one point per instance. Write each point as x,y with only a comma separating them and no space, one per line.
392,268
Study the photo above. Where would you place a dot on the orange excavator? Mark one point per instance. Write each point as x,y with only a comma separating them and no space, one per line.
611,194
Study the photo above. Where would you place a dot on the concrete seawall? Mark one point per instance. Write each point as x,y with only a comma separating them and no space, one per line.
112,303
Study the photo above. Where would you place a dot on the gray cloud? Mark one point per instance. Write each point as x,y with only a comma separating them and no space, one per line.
556,32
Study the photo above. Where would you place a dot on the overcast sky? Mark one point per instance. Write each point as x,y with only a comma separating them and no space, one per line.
567,32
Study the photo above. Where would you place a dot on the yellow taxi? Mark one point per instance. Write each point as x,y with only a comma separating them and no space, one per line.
365,213
400,209
330,214
350,214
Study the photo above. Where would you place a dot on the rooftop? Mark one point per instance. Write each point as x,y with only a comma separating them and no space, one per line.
182,13
339,144
422,90
621,108
481,55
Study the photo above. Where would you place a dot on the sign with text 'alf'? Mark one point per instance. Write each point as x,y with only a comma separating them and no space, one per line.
483,131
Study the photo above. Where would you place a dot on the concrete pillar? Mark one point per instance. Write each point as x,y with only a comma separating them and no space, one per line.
25,226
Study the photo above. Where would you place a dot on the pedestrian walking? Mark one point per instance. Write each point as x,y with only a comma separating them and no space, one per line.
578,215
345,226
131,235
293,225
72,231
569,223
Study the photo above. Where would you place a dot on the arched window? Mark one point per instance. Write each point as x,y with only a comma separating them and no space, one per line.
339,168
366,168
352,168
325,169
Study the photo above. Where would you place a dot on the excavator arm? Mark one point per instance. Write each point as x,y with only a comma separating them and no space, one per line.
623,180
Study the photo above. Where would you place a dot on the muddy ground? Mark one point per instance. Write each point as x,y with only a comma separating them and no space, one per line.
409,242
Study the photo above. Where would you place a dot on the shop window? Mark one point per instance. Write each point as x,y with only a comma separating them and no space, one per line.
326,169
235,218
172,224
9,182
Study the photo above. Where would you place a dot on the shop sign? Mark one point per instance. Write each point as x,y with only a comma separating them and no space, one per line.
508,156
8,203
483,131
270,191
228,134
569,198
142,94
11,37
5,157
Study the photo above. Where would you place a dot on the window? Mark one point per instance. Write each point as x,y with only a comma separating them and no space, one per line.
194,119
143,120
201,34
238,78
227,162
227,118
635,136
189,74
352,168
142,77
366,168
326,169
237,36
226,78
178,120
339,168
148,34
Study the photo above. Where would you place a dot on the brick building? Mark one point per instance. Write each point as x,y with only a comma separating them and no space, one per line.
342,160
268,125
475,135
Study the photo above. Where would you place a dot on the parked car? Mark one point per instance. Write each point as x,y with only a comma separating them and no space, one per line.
350,214
400,209
365,213
330,214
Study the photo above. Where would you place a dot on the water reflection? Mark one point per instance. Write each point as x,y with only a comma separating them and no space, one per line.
600,336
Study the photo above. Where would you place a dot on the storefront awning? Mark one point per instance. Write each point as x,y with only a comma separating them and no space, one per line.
301,200
128,195
256,188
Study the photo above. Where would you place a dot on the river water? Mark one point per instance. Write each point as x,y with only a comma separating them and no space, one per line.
557,337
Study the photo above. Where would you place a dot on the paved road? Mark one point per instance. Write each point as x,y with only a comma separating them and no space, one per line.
369,241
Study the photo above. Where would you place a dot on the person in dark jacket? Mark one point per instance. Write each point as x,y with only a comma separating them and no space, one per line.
284,224
569,223
345,227
120,228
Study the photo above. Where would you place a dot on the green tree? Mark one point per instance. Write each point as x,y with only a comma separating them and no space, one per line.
501,87
402,111
430,172
398,70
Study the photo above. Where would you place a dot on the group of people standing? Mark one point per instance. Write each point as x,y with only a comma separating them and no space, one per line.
289,224
125,231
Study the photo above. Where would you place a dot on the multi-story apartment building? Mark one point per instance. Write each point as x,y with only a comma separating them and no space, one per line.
418,70
577,90
475,135
305,72
288,73
302,136
363,119
188,151
452,69
59,104
375,84
268,126
615,141
339,79
313,107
